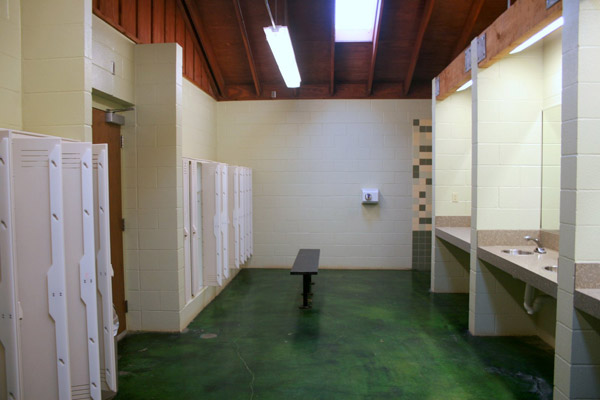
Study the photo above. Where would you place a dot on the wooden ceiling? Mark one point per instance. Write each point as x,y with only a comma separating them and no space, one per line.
415,41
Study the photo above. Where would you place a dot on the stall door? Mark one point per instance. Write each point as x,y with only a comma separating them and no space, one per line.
111,135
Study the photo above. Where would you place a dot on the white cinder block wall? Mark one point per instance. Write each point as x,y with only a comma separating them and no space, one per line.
10,65
453,155
310,160
199,123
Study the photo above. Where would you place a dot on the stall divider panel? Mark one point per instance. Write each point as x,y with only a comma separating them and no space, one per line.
242,219
104,272
196,226
251,208
40,274
234,257
212,268
78,190
187,231
224,217
8,297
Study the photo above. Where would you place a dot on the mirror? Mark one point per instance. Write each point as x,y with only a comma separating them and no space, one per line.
551,138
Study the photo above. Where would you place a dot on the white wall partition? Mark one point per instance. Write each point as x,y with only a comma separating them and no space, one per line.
196,225
9,358
104,271
78,192
234,208
41,283
187,235
211,224
224,210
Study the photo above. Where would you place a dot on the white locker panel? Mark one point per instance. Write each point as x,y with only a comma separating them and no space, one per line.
211,224
195,206
241,217
9,357
250,219
233,206
41,283
224,210
187,239
247,213
104,271
80,265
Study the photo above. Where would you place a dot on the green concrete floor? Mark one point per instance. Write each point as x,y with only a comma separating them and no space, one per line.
370,335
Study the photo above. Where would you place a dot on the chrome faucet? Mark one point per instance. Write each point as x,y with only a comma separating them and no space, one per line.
539,248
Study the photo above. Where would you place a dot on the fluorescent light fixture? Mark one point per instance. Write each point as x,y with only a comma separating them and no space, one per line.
281,46
355,20
541,34
465,86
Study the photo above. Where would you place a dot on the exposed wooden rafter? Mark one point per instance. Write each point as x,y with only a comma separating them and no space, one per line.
193,15
427,11
375,44
332,49
244,32
464,37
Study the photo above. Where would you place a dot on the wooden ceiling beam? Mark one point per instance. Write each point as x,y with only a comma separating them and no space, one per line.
193,15
249,56
428,10
464,37
332,51
376,30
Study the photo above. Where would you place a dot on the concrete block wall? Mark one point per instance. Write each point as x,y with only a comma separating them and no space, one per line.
57,83
577,360
10,65
199,123
310,160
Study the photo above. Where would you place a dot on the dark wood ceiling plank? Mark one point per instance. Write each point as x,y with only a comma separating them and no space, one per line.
170,23
465,35
193,15
249,56
427,11
332,49
376,30
144,21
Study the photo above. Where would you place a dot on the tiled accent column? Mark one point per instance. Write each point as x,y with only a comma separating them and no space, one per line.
157,234
422,194
577,362
56,70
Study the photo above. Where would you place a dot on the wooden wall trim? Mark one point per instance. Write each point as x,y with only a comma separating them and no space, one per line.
453,77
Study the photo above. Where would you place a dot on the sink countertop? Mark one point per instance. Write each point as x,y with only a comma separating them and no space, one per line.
458,236
588,300
528,268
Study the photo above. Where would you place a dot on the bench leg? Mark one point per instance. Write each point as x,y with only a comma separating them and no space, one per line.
305,291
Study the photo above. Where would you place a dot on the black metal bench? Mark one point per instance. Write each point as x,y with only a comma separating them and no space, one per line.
306,264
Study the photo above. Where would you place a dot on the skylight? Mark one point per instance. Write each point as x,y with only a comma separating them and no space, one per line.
355,20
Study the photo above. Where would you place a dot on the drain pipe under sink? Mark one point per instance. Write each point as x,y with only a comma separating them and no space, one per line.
532,303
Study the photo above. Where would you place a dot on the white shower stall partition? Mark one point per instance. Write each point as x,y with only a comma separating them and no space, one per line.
234,206
211,224
250,218
224,219
104,271
196,226
9,358
43,341
187,235
242,215
78,197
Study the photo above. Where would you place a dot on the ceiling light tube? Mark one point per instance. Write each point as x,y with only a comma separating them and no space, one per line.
281,46
554,25
465,86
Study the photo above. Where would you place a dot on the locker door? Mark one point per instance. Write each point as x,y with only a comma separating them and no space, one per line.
196,225
104,272
211,251
251,218
187,263
241,217
41,283
78,197
225,219
9,357
234,260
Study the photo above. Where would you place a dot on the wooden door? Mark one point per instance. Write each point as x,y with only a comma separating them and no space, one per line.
110,134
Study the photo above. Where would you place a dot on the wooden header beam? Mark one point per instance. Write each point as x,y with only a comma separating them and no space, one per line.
417,47
517,24
376,30
244,33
